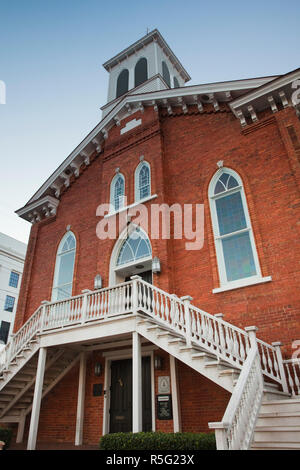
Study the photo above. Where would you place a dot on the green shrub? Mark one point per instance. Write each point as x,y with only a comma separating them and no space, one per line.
5,436
158,441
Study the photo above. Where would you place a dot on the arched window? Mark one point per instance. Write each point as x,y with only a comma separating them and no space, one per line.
117,192
140,72
234,240
176,83
122,83
135,247
64,268
166,73
142,181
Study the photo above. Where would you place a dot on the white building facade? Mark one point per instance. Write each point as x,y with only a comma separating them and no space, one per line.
12,258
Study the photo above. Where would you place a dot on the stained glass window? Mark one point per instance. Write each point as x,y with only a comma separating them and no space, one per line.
118,192
232,229
136,246
143,181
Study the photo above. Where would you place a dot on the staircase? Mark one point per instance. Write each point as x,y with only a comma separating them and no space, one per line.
261,384
278,426
18,381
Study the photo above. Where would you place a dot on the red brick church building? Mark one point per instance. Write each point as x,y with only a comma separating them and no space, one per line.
151,327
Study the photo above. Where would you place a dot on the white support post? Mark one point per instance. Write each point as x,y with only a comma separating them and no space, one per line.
187,300
277,346
135,293
136,383
80,400
37,398
251,330
85,293
44,304
21,427
175,395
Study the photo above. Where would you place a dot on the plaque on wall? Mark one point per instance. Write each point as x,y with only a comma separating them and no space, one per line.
164,407
164,384
97,390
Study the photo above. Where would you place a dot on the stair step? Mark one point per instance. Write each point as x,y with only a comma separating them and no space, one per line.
203,355
279,419
231,371
275,446
289,405
166,333
176,341
277,434
218,364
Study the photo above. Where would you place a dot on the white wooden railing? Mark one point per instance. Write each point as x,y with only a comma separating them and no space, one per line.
196,326
292,369
235,431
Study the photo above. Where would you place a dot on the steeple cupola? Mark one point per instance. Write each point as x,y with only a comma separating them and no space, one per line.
148,64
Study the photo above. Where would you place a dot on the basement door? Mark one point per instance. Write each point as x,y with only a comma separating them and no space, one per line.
121,395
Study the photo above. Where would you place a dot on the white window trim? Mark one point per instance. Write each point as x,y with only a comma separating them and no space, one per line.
136,181
243,282
57,266
125,208
247,281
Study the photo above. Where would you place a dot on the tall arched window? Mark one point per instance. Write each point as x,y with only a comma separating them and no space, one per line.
234,240
140,72
122,83
117,192
64,268
142,181
135,247
166,73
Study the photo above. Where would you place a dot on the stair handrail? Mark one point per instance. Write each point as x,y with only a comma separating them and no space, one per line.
292,370
211,332
236,430
18,340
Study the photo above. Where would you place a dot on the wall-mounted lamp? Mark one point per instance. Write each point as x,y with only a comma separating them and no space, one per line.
98,282
98,369
158,362
156,265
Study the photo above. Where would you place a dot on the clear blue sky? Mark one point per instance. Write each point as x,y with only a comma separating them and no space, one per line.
51,56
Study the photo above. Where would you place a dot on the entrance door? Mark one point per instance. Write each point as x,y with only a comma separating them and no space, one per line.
121,396
146,276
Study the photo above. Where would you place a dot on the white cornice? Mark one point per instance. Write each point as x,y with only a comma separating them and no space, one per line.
216,92
40,209
275,84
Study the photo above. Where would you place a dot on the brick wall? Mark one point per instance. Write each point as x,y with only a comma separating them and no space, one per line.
183,151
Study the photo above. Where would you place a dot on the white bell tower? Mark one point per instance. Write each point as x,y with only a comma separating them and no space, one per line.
148,64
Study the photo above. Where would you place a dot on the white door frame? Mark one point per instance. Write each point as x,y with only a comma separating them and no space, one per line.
116,356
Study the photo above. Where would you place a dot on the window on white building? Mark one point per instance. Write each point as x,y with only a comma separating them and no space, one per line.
4,330
64,268
166,73
235,246
9,303
122,83
14,279
140,72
